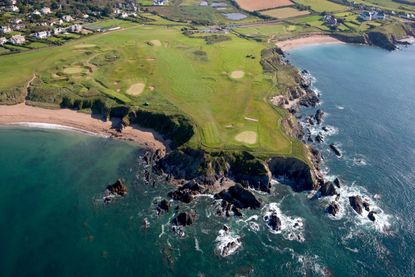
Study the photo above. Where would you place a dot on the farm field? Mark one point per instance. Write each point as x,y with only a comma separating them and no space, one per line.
157,68
283,13
322,5
259,5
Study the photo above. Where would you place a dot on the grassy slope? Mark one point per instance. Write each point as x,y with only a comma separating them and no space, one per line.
198,86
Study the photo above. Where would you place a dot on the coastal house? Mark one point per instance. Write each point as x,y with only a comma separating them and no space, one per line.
67,18
124,15
42,35
17,40
330,20
46,10
36,12
18,27
16,21
58,31
3,40
76,28
5,29
372,15
160,2
13,8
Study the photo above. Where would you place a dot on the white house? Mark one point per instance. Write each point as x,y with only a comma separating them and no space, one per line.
67,18
36,12
124,15
14,8
46,10
372,15
160,2
5,29
42,35
330,20
75,28
3,40
17,39
58,31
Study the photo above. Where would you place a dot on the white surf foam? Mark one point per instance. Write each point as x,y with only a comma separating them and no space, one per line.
55,127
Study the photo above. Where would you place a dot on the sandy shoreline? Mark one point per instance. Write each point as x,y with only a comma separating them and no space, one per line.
305,41
24,115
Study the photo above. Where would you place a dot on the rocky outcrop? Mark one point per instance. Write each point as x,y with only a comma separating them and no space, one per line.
357,203
163,206
319,116
239,197
381,40
118,188
371,215
186,192
296,171
274,222
327,189
335,150
184,219
333,208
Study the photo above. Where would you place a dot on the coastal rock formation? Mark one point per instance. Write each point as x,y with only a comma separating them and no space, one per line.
184,218
239,197
274,222
371,215
226,242
163,206
297,172
335,150
333,208
319,116
186,192
118,188
357,203
327,189
337,182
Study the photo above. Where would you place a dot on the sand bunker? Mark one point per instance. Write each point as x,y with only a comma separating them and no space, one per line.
136,89
74,70
80,46
154,42
238,74
248,137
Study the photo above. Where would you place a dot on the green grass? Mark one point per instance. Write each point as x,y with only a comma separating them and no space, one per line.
200,89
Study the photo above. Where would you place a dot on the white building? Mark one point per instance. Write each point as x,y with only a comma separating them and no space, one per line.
14,8
372,15
36,12
58,31
3,40
160,2
5,29
17,40
124,15
75,28
46,10
67,18
42,35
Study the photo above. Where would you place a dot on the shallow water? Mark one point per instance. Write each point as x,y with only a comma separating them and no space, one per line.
55,223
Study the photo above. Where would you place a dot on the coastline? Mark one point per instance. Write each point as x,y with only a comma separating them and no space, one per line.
23,115
290,44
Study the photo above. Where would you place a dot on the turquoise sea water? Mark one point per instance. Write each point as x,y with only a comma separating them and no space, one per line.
54,223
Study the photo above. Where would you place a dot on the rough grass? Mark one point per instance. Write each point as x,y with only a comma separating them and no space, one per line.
199,88
322,5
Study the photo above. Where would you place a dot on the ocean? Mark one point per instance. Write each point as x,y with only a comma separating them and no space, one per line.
55,223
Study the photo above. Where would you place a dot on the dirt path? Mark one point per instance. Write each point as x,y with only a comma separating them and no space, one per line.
28,85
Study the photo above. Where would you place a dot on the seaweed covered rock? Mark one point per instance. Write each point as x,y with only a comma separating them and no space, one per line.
118,188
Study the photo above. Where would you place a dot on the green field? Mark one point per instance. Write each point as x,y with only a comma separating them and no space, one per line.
322,5
180,74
